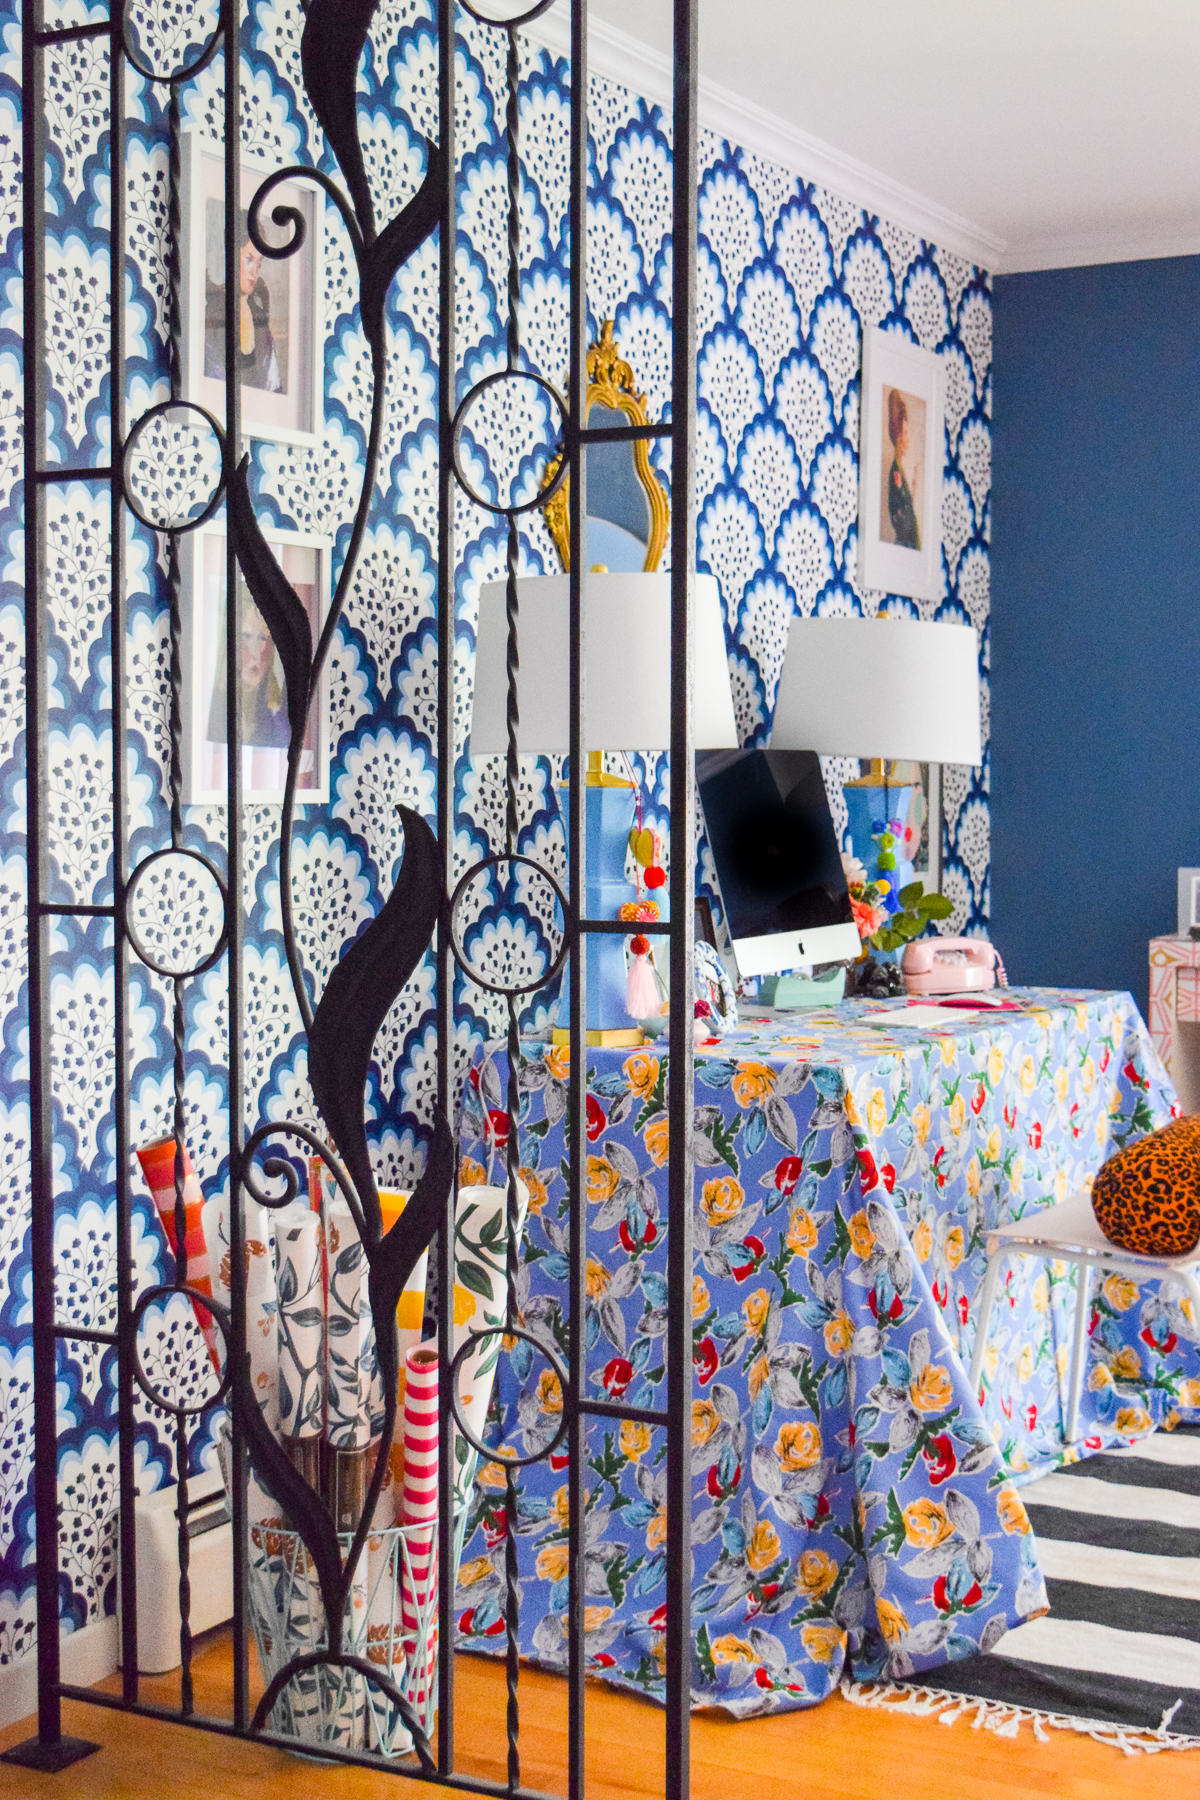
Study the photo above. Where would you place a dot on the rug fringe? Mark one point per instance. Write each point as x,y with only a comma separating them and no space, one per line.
1006,1720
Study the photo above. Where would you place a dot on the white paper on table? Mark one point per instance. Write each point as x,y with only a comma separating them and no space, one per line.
924,1018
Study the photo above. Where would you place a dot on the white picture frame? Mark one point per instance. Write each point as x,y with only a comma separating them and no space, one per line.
305,561
283,383
1188,897
901,458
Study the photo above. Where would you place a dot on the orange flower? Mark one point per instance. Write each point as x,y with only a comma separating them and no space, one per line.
763,1546
926,1524
657,1140
756,1374
816,1574
602,1180
549,1392
471,1173
839,1334
558,1061
538,1195
552,1561
1012,1512
755,1308
598,1279
798,1445
641,1072
802,1232
706,1422
656,1531
861,1235
635,1439
721,1199
700,1297
752,1082
822,1639
892,1621
933,1391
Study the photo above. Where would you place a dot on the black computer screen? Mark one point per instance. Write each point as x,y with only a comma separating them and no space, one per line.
772,839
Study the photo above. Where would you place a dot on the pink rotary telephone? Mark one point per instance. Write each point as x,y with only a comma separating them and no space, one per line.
938,965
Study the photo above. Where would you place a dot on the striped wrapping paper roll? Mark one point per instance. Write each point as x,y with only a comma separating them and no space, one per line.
410,1318
158,1166
301,1321
419,1506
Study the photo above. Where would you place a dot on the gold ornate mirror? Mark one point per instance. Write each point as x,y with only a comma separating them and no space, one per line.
628,508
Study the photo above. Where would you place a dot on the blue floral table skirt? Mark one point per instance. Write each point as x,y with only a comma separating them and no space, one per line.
856,1506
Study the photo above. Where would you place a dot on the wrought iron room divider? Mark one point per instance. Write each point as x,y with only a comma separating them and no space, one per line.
149,476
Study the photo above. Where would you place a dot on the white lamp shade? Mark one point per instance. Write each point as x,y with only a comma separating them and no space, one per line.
895,688
627,666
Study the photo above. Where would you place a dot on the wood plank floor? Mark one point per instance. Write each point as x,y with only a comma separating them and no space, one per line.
834,1752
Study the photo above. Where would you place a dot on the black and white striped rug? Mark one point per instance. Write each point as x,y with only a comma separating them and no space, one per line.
1118,1654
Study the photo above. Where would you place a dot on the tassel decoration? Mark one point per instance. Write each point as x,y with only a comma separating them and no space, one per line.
642,997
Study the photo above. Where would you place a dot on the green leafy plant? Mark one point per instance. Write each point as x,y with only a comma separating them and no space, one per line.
917,910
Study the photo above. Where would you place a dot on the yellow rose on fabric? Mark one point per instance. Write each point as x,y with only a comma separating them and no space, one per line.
922,1240
477,1570
1013,1516
721,1199
956,1246
756,1375
1025,1363
1015,1174
877,1113
1127,1364
635,1439
949,1050
641,1072
816,1574
471,1173
852,1112
706,1422
596,1616
598,1279
932,1391
1039,1294
920,1122
700,1297
755,1308
656,1530
993,1144
1133,1421
1102,1130
991,1362
553,1561
802,1233
822,1639
538,1193
1028,1076
974,1177
1061,1358
1060,1187
752,1082
1098,1378
957,1115
892,1621
1189,1392
1186,1308
602,1180
798,1445
549,1392
492,1475
1120,1292
1061,1082
1081,1018
558,1061
926,1524
1087,1074
861,1235
762,1547
657,1138
731,1649
561,1506
995,1065
839,1334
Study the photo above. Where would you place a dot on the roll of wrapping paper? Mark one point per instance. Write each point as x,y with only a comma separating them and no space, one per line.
262,1338
419,1507
158,1166
353,1386
480,1301
410,1317
301,1324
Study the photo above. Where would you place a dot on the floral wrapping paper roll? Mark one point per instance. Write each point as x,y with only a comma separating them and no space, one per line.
301,1319
353,1385
158,1166
262,1332
480,1257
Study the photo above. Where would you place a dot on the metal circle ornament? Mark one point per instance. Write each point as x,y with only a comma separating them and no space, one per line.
219,1323
498,418
504,20
173,466
176,913
496,1452
558,899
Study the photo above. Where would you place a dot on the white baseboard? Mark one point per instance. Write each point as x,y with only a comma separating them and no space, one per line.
87,1656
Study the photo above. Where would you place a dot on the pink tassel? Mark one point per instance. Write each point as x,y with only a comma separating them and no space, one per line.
642,998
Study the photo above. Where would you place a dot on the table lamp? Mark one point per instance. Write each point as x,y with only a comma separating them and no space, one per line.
627,706
896,688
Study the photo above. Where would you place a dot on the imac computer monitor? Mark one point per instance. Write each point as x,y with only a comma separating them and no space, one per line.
776,854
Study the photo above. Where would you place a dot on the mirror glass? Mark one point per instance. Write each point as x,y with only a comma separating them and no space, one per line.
618,516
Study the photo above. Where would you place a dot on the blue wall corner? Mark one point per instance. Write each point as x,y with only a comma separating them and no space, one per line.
1095,624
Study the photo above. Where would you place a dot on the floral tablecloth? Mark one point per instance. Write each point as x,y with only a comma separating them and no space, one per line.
855,1507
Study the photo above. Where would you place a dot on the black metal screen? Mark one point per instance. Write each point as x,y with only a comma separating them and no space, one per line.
417,917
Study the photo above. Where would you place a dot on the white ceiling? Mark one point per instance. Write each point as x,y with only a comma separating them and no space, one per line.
1023,133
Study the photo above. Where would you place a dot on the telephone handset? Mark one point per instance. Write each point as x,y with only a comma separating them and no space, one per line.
938,965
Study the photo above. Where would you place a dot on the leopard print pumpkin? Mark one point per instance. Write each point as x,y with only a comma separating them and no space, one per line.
1147,1197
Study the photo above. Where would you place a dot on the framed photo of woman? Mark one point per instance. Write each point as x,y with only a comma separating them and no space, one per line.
900,467
264,719
280,334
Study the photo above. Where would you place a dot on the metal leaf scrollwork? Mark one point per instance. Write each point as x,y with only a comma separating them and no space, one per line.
277,601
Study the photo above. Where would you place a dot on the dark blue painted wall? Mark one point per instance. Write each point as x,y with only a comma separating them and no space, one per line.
1095,620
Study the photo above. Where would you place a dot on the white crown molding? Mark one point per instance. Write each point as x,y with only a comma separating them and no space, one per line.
647,72
1079,249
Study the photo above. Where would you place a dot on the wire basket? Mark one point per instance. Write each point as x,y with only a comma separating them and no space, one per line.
391,1622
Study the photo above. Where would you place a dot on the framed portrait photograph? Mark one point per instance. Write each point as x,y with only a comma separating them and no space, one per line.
265,735
280,349
900,467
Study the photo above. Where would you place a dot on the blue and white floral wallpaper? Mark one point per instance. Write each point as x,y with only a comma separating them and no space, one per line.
789,275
